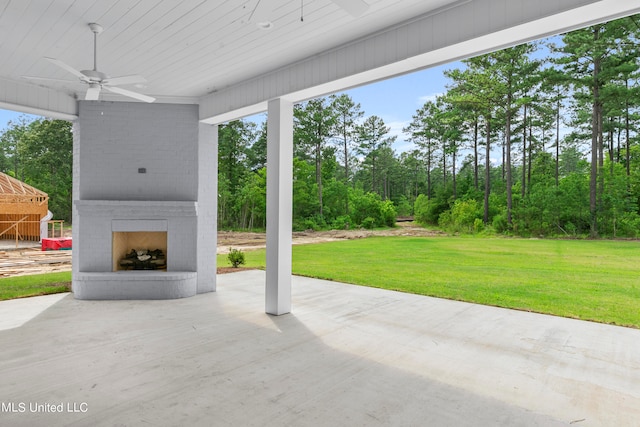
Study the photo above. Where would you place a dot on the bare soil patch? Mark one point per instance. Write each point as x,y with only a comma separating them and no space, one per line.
21,262
26,261
250,240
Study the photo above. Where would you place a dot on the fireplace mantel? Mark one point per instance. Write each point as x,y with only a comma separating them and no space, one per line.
136,208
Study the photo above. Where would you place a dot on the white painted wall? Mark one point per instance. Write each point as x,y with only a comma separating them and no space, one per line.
118,138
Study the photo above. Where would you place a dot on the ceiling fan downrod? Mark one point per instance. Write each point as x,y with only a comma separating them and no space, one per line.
97,29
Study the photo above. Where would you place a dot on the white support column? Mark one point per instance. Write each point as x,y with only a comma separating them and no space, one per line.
279,205
207,207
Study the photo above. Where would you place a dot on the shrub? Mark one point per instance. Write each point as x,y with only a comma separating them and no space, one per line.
462,217
387,213
570,229
236,257
427,211
370,205
310,224
500,223
629,225
342,222
403,207
364,205
369,223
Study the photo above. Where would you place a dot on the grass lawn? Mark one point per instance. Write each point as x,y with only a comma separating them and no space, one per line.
590,280
37,284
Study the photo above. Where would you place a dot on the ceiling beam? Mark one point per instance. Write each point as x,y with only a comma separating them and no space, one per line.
31,99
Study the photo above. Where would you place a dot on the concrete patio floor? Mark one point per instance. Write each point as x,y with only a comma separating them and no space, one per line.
346,356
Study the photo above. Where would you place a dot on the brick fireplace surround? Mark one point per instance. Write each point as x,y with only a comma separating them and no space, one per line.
144,167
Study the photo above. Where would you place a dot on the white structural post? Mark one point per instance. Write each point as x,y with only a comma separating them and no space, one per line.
279,205
207,206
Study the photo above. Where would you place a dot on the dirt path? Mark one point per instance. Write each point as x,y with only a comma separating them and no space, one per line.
249,241
24,261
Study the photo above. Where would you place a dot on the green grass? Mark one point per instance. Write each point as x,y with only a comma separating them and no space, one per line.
586,279
590,280
36,284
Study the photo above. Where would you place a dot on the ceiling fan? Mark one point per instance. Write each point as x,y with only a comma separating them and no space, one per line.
261,12
97,80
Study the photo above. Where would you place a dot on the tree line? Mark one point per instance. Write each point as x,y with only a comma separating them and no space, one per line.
562,113
539,139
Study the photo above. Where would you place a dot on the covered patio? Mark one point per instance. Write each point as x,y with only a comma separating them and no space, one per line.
145,141
344,355
347,356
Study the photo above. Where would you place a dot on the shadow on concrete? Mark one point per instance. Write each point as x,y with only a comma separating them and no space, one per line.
217,359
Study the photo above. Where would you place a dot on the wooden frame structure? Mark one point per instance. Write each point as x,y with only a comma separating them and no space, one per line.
21,209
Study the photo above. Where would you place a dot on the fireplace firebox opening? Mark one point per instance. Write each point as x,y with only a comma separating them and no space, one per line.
139,250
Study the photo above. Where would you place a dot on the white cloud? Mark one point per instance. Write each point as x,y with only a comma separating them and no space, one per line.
395,128
422,99
401,146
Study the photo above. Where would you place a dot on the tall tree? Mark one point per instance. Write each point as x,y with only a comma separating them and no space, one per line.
233,139
348,113
512,69
421,132
554,85
589,57
315,123
373,136
476,88
451,128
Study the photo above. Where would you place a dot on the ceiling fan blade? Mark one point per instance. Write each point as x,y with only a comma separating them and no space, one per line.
93,93
67,68
124,80
46,79
130,94
355,8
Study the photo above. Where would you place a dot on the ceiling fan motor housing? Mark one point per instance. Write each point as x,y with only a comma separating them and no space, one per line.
94,76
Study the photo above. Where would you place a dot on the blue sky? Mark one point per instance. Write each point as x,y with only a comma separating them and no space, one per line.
6,116
396,100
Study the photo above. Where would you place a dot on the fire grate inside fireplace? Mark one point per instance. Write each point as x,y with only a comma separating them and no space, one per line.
144,259
139,250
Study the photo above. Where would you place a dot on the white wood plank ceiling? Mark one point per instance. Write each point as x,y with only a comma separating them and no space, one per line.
184,48
212,53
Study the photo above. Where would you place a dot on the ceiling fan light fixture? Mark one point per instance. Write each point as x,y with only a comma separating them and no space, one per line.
93,93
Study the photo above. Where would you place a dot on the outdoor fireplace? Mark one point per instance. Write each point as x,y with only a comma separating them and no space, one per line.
136,249
147,169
